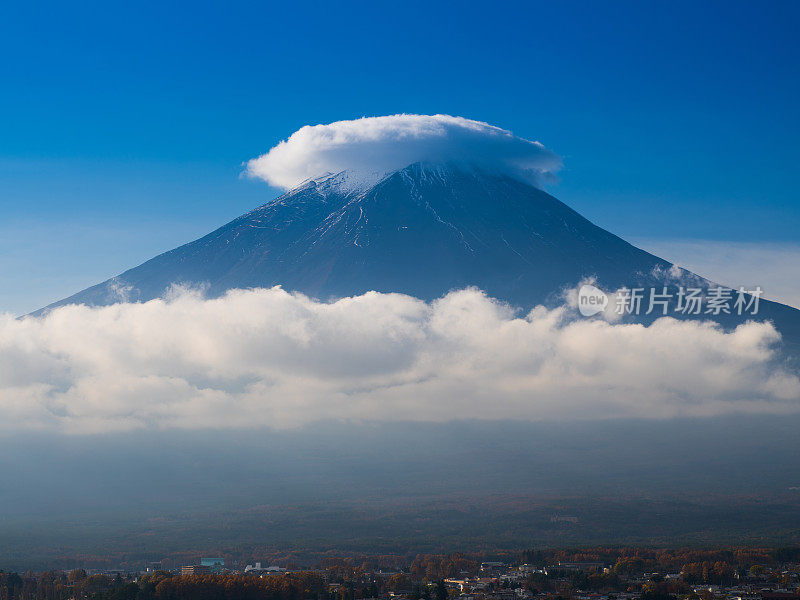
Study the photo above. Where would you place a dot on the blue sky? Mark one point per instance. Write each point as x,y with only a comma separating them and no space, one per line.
123,129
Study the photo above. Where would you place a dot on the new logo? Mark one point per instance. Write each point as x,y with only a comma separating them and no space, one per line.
591,300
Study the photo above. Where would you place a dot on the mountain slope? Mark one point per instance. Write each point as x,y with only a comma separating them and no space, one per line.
422,230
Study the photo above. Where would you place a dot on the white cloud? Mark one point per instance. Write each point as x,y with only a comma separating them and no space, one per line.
383,144
773,266
268,358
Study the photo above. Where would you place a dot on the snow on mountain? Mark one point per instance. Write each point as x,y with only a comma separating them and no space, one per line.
422,230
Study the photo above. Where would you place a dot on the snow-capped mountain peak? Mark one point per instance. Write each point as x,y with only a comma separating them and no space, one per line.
422,230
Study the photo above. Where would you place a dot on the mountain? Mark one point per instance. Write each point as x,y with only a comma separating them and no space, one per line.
422,230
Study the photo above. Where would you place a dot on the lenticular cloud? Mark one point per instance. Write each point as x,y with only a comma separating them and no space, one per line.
265,357
378,145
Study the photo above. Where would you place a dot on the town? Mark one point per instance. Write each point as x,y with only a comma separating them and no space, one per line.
586,574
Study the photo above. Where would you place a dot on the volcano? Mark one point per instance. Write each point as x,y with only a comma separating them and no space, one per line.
422,230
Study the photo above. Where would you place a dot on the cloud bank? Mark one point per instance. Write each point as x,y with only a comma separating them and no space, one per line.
378,145
269,358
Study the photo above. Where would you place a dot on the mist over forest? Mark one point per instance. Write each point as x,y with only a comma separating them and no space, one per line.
392,487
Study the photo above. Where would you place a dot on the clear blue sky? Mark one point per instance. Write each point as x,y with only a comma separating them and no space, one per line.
123,128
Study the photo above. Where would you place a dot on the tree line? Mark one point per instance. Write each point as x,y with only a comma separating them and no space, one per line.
161,585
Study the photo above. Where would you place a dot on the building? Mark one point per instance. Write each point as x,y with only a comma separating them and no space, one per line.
216,564
152,567
493,567
576,566
259,570
196,570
